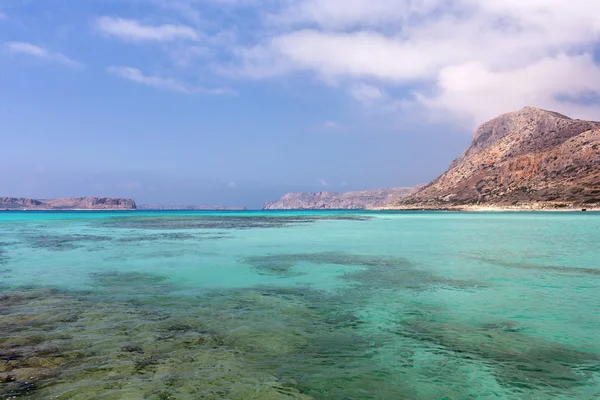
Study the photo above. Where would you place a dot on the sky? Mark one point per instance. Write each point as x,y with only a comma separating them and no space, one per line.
235,102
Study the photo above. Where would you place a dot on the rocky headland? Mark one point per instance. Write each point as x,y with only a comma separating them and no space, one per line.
340,201
75,203
527,159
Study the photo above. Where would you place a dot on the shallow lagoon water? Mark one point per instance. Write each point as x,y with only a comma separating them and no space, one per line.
299,305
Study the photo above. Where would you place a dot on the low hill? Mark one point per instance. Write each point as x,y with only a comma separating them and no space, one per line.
339,201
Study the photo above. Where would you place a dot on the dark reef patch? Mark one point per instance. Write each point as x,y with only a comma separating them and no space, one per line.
313,346
282,264
518,360
130,285
129,279
266,343
136,336
119,347
406,277
3,256
158,237
54,242
532,266
214,222
379,272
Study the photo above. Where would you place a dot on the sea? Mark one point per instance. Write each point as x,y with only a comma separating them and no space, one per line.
299,305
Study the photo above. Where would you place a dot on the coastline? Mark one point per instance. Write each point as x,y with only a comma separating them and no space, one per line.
68,209
542,207
453,208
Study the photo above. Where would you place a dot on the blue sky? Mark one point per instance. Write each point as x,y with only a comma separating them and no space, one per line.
234,102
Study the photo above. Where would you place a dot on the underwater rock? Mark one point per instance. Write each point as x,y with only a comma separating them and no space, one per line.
519,360
380,272
143,364
111,348
3,256
132,348
345,320
532,266
220,223
282,264
159,237
54,242
178,327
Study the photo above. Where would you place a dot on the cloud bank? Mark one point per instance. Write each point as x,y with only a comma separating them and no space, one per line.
465,58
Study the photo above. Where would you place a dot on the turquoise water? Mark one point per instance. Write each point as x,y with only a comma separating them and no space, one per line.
299,305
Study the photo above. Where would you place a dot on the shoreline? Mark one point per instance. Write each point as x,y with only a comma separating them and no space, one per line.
465,208
68,209
495,208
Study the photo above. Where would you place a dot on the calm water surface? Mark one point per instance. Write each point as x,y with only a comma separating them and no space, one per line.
299,305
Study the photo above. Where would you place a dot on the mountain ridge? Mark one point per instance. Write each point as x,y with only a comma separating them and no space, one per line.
530,157
356,200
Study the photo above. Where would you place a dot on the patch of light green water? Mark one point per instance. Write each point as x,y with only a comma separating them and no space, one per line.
277,305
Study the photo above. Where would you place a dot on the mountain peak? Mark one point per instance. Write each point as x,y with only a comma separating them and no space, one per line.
529,155
534,111
527,119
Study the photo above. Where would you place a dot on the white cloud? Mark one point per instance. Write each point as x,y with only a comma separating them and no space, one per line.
174,85
469,58
2,16
39,52
340,54
366,94
323,182
462,89
135,31
231,185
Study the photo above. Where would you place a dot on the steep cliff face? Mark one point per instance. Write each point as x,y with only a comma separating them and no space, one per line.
339,201
78,203
527,156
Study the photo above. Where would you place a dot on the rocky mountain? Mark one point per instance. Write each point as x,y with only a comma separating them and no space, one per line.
339,201
78,203
529,158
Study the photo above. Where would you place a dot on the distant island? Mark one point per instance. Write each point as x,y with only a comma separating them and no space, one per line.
188,207
96,203
529,159
340,201
75,203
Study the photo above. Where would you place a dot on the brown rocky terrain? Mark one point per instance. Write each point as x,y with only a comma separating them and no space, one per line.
76,203
339,201
529,158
